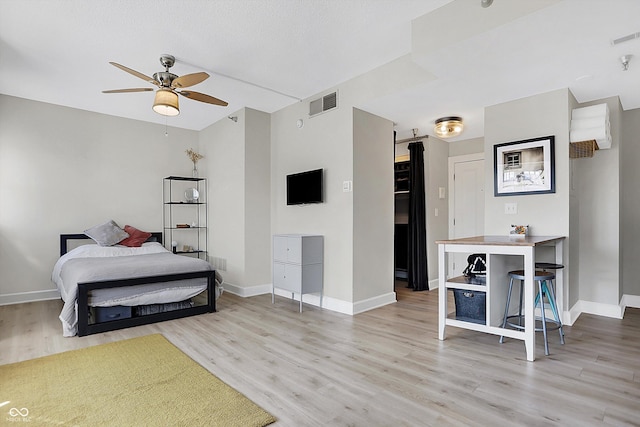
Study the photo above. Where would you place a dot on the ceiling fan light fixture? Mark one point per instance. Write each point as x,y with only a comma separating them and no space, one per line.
447,127
166,103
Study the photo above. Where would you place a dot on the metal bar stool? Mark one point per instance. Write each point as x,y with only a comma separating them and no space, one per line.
552,266
541,278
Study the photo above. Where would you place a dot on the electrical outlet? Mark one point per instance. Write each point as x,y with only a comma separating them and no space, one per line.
510,208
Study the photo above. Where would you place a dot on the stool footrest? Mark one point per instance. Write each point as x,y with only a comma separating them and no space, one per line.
552,325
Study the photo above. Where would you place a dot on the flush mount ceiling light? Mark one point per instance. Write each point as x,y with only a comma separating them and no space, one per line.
166,103
486,3
447,127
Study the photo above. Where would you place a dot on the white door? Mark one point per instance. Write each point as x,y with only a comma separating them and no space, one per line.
466,188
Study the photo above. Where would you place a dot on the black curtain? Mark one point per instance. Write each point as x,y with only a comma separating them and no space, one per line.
417,242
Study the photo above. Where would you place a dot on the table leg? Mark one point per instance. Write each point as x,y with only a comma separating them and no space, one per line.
529,305
442,291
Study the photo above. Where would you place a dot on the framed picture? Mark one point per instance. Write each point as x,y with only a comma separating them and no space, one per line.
524,167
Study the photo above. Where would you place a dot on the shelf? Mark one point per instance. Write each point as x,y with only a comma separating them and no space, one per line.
184,178
177,218
184,228
462,282
185,203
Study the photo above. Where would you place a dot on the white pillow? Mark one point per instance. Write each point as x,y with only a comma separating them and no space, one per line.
107,234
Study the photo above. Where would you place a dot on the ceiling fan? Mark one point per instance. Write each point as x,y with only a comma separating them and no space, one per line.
166,100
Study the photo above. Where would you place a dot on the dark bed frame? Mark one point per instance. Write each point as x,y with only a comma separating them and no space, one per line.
84,328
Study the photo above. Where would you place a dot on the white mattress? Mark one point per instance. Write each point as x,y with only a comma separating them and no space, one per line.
89,263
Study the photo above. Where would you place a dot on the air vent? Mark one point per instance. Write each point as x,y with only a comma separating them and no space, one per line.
323,104
626,38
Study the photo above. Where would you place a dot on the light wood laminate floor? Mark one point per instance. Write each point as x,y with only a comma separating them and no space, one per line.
385,367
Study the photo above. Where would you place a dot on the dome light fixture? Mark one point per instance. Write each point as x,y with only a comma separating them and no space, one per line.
166,102
447,127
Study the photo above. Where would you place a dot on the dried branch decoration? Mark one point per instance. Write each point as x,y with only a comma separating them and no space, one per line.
194,156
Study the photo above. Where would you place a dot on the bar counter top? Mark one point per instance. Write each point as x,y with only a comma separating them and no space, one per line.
502,240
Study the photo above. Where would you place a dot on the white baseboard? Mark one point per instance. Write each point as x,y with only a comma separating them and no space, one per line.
247,291
615,311
328,303
33,296
375,302
632,301
434,284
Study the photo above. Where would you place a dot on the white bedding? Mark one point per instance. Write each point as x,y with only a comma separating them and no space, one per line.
117,262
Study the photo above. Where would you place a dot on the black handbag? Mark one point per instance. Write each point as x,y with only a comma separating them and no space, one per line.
476,265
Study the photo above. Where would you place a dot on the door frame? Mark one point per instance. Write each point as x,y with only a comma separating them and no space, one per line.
451,167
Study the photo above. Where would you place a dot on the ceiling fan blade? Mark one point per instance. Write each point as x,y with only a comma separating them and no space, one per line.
189,80
139,89
135,73
203,98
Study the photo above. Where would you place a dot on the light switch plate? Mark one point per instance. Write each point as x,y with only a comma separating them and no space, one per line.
510,208
346,186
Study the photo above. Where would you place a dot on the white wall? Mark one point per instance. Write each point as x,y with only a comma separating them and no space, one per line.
64,170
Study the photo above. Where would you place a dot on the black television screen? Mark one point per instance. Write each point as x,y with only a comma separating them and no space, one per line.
304,187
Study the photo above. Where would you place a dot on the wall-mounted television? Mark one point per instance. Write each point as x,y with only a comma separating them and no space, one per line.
305,187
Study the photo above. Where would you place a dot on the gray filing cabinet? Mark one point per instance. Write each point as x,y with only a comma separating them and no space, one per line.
297,264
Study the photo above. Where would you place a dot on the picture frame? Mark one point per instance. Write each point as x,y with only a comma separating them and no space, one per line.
524,167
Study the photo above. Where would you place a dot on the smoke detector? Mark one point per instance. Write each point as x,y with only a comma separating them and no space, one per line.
625,61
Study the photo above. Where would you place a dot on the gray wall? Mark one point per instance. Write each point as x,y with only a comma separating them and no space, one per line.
325,141
437,171
536,116
467,146
597,180
547,214
64,170
237,162
630,202
373,202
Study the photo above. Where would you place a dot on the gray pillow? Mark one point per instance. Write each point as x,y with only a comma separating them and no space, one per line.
107,234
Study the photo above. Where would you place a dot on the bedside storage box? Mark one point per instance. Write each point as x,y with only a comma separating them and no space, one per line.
107,314
470,305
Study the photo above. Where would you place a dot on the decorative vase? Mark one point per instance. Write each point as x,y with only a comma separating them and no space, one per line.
194,173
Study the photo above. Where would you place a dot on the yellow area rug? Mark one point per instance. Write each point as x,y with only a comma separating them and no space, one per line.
144,381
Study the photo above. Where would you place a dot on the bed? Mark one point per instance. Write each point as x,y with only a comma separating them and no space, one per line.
109,288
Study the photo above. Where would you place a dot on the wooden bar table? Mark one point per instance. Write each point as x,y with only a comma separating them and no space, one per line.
504,254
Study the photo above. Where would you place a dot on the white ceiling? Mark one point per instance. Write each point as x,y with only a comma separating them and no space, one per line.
460,58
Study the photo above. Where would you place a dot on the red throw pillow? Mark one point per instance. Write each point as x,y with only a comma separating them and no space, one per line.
136,237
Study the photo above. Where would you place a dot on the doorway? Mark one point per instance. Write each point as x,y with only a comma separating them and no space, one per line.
466,203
